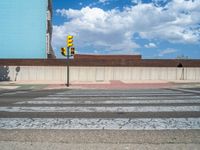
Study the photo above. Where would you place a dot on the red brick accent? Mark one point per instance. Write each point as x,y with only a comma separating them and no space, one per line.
103,60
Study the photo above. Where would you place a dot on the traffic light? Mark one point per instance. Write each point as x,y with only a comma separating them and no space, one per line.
63,51
72,51
69,41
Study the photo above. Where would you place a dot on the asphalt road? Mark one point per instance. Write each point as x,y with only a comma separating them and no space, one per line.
148,116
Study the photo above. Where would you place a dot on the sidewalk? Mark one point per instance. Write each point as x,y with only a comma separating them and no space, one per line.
113,84
123,85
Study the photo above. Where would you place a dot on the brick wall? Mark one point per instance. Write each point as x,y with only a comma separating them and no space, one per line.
103,60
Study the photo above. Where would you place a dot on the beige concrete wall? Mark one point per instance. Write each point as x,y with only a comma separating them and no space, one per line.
91,74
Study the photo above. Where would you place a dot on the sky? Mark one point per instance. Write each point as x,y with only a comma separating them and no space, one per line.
162,29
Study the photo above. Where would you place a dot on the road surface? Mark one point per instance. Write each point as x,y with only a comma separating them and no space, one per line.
100,119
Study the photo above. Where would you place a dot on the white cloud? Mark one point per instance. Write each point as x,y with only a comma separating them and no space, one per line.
177,22
181,19
136,1
167,51
103,1
159,2
96,28
150,45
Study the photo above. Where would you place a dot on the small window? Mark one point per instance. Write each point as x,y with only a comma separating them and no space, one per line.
47,44
48,15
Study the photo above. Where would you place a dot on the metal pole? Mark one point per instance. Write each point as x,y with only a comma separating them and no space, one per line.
67,66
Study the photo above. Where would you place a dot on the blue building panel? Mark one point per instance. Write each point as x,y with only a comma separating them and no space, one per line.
23,28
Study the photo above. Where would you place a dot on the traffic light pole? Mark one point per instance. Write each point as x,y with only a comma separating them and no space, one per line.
67,66
69,44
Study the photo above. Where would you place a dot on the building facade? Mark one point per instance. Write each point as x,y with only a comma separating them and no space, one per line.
25,29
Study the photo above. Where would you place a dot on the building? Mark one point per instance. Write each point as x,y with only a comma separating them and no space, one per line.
25,29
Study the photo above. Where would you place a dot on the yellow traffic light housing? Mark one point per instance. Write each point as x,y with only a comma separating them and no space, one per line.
70,41
72,51
63,51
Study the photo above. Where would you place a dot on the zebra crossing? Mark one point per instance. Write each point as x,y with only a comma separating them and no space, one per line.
161,109
14,93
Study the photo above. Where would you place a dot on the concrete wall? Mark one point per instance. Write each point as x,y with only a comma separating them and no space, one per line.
91,74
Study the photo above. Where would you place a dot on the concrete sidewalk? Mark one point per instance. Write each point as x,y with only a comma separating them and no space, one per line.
115,84
123,85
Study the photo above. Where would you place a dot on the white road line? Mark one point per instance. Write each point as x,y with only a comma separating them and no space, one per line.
188,90
110,102
85,93
125,91
103,109
8,87
21,92
110,95
125,98
13,93
99,124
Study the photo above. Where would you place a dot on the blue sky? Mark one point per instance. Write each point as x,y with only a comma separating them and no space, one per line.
152,28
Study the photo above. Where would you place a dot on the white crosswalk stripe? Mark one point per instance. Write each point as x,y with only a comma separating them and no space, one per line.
65,97
114,124
108,95
103,109
91,102
155,101
13,93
